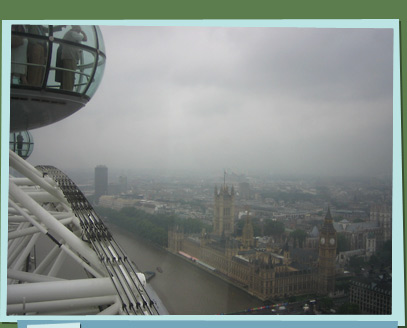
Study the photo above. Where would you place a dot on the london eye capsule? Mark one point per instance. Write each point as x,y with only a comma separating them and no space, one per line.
55,70
22,143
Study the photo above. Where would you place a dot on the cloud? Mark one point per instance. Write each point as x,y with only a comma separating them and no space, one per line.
305,101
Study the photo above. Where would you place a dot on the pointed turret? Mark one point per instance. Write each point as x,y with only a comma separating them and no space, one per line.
328,216
328,226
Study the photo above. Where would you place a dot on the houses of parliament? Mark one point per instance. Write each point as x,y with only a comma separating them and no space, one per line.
267,272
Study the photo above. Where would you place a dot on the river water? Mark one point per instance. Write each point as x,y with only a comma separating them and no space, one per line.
184,288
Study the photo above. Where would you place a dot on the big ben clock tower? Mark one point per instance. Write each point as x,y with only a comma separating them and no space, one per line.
327,255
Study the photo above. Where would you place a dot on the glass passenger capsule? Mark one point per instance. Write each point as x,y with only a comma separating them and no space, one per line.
55,70
22,143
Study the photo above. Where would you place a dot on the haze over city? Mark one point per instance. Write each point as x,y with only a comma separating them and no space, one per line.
272,100
258,156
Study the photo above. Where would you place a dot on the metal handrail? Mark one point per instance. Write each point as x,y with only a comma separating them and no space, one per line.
79,72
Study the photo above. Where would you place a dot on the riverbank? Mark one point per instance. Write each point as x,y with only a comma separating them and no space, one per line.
215,273
185,289
196,264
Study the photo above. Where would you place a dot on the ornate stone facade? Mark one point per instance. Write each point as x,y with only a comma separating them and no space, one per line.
264,273
224,211
327,256
382,215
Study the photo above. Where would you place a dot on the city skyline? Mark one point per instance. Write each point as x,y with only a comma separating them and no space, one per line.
271,100
287,102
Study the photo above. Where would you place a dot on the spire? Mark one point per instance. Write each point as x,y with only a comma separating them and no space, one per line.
327,226
328,216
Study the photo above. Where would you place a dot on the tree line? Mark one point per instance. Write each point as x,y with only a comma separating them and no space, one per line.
152,227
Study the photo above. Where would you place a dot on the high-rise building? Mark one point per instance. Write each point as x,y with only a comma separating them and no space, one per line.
101,182
244,190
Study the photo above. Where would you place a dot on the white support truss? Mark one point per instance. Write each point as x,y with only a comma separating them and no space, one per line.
54,231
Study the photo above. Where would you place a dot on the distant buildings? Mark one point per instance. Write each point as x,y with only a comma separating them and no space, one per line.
123,185
372,296
382,215
267,273
120,187
117,203
267,267
366,235
244,190
101,182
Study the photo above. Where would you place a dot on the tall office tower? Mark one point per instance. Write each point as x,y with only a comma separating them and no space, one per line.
224,211
327,255
101,182
244,190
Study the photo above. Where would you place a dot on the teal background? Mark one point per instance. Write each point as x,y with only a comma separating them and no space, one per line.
209,10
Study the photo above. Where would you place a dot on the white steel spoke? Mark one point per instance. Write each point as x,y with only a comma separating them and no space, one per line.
51,226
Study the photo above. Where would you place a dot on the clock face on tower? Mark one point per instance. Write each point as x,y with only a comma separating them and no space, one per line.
322,240
332,241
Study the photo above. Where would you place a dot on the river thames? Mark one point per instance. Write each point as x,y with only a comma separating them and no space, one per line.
184,288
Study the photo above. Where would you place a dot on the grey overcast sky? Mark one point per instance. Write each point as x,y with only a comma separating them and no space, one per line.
275,100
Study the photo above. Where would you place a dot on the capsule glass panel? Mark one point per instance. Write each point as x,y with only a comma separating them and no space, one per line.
99,70
22,143
19,46
37,30
55,70
37,57
76,58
